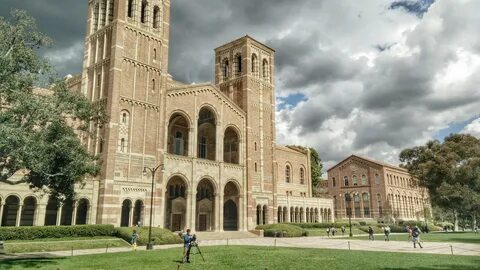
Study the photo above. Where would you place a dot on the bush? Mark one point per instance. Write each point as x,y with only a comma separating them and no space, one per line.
321,225
39,232
376,229
274,230
159,236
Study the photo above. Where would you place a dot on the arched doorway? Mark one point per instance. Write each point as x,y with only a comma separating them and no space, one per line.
265,214
82,212
51,212
125,217
259,215
231,146
205,206
67,213
28,211
207,134
138,213
285,214
178,131
231,197
10,211
176,202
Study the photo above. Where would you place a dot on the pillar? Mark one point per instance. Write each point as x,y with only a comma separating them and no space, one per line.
130,215
217,211
74,214
289,218
362,210
221,202
188,210
40,215
59,215
193,210
260,215
240,213
1,212
19,215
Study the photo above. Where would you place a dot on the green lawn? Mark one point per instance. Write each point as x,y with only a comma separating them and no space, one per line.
253,258
459,237
45,245
323,232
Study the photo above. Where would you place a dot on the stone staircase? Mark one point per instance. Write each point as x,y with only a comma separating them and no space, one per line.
224,235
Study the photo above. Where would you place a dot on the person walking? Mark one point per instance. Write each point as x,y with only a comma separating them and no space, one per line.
386,231
187,246
328,232
370,233
133,240
416,237
333,231
409,231
343,231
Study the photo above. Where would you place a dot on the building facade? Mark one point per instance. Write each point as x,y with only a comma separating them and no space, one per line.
369,189
220,167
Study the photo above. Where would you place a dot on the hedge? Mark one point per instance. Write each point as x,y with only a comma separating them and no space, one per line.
39,232
282,230
322,225
159,236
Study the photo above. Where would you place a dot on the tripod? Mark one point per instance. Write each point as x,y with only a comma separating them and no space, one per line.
197,250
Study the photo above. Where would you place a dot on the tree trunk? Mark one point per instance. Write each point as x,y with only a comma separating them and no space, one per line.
455,220
474,221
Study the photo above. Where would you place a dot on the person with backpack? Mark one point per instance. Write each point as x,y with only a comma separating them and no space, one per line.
333,231
133,240
416,237
370,233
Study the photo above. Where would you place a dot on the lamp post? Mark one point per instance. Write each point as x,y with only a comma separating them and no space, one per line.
348,198
152,171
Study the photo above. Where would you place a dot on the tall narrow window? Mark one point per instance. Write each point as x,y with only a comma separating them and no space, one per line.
333,181
153,85
156,17
179,142
124,118
265,69
302,176
345,180
355,180
254,65
95,17
238,64
287,174
143,12
364,180
377,179
122,145
130,8
154,54
203,147
225,69
110,11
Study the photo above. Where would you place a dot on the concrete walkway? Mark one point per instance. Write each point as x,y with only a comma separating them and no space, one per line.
301,242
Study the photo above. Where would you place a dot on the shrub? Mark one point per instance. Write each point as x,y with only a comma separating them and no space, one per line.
321,225
376,229
273,230
39,232
159,236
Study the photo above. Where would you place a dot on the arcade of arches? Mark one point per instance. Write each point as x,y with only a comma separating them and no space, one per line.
28,212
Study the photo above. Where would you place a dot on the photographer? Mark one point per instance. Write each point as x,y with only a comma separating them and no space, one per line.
187,244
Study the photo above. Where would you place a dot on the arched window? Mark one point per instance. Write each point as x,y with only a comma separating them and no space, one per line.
122,145
225,66
123,132
364,180
231,146
377,179
154,53
333,181
124,118
345,181
156,17
153,85
206,136
254,65
355,180
238,64
130,8
287,174
255,167
302,176
265,69
179,143
143,12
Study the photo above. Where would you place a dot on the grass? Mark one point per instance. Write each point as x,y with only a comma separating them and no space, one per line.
46,245
454,237
253,258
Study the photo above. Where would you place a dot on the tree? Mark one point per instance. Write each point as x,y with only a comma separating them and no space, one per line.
39,129
316,167
450,171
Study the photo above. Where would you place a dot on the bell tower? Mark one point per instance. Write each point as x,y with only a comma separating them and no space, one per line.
244,71
125,71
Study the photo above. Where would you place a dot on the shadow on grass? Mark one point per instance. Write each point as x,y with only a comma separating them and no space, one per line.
30,263
438,267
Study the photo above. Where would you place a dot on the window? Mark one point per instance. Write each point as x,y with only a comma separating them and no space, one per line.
100,146
154,54
130,8
265,69
153,85
225,69
302,176
365,197
254,65
156,17
122,145
124,118
377,179
238,63
255,167
287,174
333,181
99,79
364,180
345,180
356,198
355,180
143,12
255,146
179,142
203,147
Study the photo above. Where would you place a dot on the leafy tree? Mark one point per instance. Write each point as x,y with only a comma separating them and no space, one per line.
451,172
39,128
316,167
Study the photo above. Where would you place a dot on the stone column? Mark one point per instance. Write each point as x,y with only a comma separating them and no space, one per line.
193,211
260,216
217,211
188,210
362,210
192,149
1,212
40,215
130,215
289,218
89,215
240,213
19,215
74,214
221,201
59,215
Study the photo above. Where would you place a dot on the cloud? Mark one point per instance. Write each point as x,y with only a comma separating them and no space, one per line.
473,128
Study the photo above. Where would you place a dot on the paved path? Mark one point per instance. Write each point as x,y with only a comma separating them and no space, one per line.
301,242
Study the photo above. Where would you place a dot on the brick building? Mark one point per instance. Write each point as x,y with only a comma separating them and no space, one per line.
371,189
221,168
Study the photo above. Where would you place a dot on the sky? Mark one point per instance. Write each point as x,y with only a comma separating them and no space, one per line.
368,77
